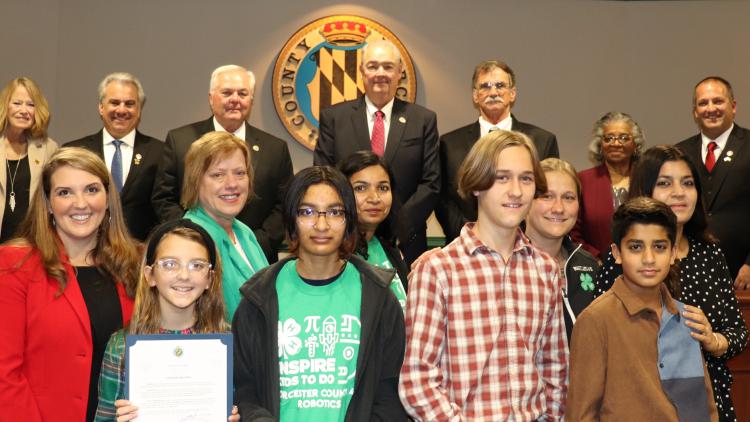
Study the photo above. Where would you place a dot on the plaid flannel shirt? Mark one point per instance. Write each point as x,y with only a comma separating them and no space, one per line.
485,338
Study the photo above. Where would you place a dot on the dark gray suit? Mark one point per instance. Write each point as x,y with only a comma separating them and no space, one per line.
726,194
136,192
452,211
411,151
272,167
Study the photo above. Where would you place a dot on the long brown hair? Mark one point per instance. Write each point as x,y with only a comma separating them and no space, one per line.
209,308
115,252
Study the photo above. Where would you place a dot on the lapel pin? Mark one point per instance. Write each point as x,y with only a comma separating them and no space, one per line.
36,162
727,159
402,119
137,160
256,148
730,153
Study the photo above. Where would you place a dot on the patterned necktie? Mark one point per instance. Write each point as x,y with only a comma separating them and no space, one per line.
116,167
378,134
710,157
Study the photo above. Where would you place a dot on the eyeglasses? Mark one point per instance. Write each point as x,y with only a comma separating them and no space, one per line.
173,266
310,216
487,86
624,138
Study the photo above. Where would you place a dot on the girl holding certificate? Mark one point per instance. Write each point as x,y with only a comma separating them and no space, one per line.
319,336
179,292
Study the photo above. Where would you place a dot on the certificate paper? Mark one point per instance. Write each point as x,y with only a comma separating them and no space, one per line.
180,378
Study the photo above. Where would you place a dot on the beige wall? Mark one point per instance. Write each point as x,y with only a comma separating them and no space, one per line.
574,60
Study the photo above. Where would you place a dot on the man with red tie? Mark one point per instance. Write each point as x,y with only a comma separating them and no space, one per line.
721,151
404,134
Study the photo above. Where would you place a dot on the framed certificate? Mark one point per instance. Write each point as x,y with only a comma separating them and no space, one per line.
173,377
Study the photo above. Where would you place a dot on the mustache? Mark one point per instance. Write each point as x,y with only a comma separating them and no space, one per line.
493,100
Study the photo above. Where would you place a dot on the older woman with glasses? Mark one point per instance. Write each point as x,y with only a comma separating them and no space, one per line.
617,142
218,183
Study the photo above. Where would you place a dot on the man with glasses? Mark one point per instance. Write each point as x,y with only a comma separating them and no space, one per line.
493,93
404,134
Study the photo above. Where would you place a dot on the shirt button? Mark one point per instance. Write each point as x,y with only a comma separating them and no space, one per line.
661,365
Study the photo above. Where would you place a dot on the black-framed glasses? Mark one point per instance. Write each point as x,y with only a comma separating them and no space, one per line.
174,266
487,86
624,138
309,215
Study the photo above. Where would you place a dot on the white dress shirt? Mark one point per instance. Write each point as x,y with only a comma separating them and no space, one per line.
721,142
485,126
387,111
240,133
126,148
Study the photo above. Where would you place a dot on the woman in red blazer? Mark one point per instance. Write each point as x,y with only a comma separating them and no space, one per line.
616,145
66,284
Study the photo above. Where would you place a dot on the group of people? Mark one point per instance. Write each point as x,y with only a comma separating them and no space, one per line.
118,234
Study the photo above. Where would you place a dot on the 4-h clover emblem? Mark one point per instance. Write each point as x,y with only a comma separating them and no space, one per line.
587,283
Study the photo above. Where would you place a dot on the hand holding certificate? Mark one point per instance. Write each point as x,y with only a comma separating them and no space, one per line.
180,377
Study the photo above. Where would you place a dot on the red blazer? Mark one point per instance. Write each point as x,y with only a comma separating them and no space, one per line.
45,341
594,225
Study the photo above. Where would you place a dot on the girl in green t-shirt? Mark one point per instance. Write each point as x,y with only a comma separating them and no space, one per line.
372,181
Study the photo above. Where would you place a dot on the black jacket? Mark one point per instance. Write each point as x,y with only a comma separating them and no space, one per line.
580,272
381,353
394,255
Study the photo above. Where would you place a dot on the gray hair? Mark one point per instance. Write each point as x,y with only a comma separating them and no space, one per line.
228,68
386,43
123,78
595,146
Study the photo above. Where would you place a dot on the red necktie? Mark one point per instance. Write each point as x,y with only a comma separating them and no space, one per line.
710,157
378,134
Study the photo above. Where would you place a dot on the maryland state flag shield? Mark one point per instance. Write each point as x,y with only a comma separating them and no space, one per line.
319,67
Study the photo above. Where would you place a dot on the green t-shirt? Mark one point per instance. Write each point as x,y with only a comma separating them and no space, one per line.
319,332
377,257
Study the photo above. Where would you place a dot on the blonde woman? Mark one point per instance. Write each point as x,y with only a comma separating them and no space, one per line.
24,148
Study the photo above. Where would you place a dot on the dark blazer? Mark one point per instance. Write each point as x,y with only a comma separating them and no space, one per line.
411,151
272,167
594,225
139,214
452,211
726,194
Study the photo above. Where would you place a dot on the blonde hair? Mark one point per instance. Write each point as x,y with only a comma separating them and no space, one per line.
204,152
477,171
209,308
115,251
41,109
555,164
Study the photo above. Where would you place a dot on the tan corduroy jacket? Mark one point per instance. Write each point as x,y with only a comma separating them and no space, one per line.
613,362
40,150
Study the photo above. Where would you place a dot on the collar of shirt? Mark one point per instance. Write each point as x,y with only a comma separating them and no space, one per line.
473,245
128,139
485,126
371,109
240,133
721,142
634,305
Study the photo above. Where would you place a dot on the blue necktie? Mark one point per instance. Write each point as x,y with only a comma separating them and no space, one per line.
117,165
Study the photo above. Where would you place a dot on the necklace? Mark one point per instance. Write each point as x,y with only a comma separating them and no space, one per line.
12,199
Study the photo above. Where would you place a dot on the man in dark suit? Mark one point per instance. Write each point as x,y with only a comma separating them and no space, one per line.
131,157
404,134
721,151
231,97
493,93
